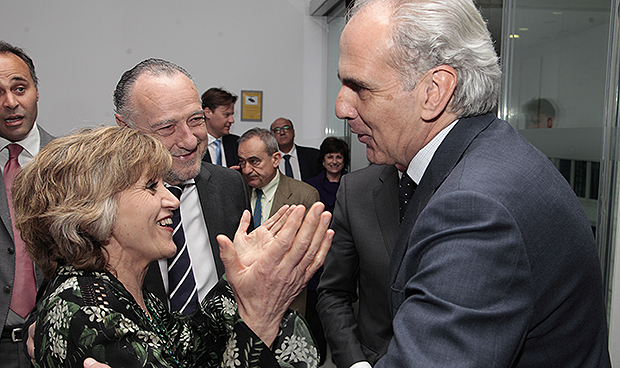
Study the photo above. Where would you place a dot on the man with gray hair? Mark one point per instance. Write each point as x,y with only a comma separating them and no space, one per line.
159,98
495,264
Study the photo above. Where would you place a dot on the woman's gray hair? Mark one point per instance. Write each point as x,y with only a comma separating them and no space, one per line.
122,92
430,33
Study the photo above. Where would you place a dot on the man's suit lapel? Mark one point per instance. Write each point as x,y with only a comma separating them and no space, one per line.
44,139
283,193
205,190
384,192
4,212
443,162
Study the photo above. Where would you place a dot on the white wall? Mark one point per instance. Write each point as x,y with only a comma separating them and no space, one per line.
81,48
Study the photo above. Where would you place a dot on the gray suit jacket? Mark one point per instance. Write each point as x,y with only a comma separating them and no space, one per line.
365,223
291,191
495,264
223,196
7,261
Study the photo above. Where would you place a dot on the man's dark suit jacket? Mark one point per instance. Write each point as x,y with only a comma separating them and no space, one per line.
365,223
223,197
7,261
230,150
308,166
495,263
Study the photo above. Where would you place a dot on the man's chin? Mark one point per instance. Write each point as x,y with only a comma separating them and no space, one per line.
176,175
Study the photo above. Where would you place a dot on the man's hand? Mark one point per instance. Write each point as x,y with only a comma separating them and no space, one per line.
30,342
92,363
273,263
250,247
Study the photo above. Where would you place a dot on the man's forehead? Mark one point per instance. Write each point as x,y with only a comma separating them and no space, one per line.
253,145
226,108
155,86
13,67
165,96
280,122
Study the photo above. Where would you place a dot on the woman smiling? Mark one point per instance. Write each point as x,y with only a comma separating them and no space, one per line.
94,213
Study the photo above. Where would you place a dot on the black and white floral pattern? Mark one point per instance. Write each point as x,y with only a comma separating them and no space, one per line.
112,328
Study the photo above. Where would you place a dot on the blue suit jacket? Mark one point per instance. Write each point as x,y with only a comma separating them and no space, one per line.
495,264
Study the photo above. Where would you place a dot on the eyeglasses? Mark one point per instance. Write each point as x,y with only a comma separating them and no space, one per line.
286,128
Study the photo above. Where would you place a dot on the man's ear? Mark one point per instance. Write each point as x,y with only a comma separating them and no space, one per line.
276,157
119,121
438,87
208,113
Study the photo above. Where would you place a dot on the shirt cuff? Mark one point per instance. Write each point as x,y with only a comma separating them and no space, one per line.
361,365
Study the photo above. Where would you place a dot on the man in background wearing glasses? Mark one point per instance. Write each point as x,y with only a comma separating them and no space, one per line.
298,162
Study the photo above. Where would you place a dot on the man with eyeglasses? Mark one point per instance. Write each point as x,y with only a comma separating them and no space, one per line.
298,162
159,98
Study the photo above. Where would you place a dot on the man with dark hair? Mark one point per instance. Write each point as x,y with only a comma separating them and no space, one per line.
219,107
298,162
495,263
20,139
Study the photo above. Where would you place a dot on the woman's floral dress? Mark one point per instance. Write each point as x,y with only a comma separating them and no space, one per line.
91,314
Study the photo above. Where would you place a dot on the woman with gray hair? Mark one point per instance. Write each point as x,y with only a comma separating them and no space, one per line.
94,213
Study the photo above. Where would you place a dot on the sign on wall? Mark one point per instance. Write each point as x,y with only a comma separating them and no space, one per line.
251,105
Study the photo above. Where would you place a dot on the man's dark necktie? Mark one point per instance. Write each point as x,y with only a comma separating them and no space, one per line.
181,283
288,169
406,188
258,208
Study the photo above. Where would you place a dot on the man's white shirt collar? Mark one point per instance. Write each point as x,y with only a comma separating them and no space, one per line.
31,144
423,158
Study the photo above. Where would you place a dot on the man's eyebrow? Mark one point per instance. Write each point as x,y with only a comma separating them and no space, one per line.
162,123
20,79
173,121
250,158
197,112
350,81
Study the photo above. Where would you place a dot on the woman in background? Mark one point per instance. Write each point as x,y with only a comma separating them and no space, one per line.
334,157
